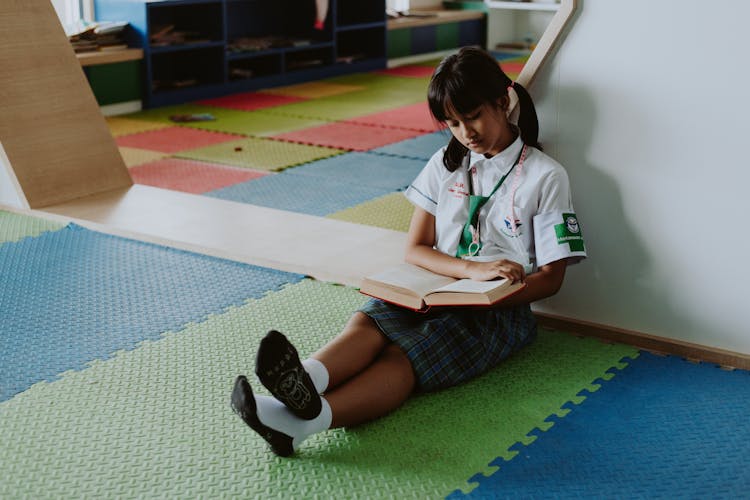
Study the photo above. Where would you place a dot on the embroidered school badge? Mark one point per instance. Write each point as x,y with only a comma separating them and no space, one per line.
570,232
508,229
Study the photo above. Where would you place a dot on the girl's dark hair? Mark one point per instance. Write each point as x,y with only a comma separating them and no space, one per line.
463,82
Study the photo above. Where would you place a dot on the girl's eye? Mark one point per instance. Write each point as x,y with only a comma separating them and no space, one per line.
472,117
453,124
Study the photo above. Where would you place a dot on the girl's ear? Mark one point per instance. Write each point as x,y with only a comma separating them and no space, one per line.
503,102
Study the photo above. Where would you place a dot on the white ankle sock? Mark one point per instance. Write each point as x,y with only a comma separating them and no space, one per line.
272,413
318,374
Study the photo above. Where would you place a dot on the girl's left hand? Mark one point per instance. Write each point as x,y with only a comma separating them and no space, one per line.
504,268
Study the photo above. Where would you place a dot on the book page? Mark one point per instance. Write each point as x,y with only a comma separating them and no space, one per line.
413,278
471,286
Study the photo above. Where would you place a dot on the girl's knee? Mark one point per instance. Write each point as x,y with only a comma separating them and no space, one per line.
399,365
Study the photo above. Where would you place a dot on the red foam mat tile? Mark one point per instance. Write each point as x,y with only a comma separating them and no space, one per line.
348,135
413,117
173,139
512,68
190,176
250,101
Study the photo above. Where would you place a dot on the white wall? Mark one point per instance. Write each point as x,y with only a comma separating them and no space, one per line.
646,104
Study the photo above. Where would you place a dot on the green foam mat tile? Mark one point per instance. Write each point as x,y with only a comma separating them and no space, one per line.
155,421
255,123
14,227
380,81
313,90
353,104
392,211
258,153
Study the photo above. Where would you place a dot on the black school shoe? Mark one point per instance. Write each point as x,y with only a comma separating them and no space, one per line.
243,404
278,367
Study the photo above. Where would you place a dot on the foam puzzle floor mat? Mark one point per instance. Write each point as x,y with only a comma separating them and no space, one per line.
173,139
662,428
300,193
392,211
383,112
74,295
14,227
258,153
156,421
348,135
250,101
190,176
363,169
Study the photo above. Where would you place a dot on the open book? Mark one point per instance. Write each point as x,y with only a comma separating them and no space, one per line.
417,288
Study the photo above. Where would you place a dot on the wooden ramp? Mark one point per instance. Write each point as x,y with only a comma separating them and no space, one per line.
56,144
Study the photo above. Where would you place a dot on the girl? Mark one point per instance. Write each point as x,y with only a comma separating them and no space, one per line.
489,205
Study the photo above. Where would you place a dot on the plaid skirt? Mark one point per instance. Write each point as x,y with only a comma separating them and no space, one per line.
448,346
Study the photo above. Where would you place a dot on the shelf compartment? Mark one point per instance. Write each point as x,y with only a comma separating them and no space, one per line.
186,47
353,46
351,12
257,66
183,69
176,24
279,18
303,59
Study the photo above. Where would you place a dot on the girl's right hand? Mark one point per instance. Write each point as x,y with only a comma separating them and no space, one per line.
504,268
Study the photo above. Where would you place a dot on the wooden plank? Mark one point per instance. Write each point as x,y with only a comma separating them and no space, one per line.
51,128
326,249
109,56
435,17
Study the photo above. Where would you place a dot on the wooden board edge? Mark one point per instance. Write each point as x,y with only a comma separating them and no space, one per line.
647,342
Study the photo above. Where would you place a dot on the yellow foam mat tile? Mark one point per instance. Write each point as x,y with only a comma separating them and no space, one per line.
126,126
392,211
136,156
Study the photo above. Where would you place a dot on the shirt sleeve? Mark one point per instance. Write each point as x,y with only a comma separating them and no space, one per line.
424,192
557,232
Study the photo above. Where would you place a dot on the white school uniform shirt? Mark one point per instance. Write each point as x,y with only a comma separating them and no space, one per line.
546,227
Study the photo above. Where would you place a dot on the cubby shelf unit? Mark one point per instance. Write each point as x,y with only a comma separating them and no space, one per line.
229,46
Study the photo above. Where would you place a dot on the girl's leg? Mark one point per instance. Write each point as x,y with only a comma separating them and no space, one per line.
379,389
353,350
374,392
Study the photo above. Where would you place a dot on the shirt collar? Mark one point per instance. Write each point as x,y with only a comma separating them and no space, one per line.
502,161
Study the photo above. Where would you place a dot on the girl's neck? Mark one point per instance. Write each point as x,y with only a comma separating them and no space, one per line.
503,142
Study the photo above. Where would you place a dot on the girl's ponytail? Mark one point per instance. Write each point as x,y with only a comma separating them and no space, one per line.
528,123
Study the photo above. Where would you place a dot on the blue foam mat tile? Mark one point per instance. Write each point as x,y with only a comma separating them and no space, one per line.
305,194
418,148
661,428
387,172
71,296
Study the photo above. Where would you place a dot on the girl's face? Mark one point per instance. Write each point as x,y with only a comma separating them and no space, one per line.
485,130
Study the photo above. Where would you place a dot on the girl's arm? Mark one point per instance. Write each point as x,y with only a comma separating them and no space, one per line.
420,251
